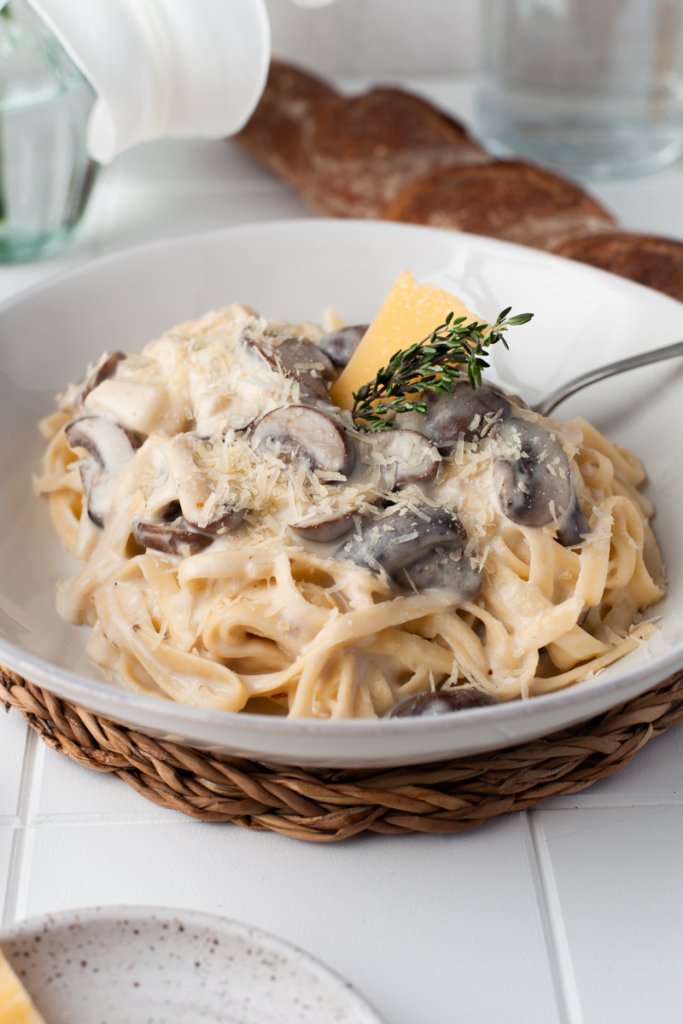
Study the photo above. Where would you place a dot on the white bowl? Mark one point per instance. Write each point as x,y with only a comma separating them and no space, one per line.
583,317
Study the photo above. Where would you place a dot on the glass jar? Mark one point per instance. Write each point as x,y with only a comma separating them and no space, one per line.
591,87
46,174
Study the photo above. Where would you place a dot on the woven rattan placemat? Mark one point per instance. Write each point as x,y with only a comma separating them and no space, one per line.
325,805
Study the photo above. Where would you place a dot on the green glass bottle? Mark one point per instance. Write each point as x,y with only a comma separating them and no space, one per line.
46,174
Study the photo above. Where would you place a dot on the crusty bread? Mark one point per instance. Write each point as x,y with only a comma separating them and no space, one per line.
390,154
367,149
349,157
507,199
278,132
647,259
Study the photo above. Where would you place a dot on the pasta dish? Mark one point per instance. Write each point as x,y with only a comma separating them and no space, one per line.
245,546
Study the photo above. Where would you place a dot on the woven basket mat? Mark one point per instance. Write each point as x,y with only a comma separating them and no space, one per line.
325,805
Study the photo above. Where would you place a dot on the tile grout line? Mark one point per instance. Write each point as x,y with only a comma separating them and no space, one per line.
561,967
615,803
18,855
79,818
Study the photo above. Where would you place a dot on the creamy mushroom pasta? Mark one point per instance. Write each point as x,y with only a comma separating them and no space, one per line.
245,547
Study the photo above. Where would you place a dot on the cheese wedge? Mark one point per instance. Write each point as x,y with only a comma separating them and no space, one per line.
409,313
16,1006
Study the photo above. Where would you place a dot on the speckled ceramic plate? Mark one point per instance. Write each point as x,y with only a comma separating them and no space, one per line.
145,965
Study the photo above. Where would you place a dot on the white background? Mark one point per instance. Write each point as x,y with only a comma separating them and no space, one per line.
378,37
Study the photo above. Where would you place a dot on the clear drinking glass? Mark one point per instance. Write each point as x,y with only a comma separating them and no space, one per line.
591,87
45,172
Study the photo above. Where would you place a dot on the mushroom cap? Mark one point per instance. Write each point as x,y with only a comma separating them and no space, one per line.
299,359
409,456
196,486
464,412
306,433
325,529
174,538
446,567
104,369
172,533
432,542
106,440
441,702
110,447
573,527
532,473
340,344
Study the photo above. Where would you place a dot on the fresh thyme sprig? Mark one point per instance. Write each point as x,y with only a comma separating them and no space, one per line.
434,364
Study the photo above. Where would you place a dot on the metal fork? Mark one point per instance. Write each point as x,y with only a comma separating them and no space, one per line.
546,406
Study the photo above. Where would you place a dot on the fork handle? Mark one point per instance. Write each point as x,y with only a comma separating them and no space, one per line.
601,372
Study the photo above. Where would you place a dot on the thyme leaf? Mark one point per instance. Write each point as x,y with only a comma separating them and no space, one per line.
432,365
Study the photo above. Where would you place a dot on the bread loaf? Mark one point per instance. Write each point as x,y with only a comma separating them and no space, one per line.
390,154
508,199
279,131
647,259
350,157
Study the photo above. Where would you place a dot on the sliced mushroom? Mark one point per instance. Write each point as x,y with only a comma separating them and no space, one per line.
465,412
110,447
196,486
574,526
324,529
420,549
441,702
445,567
298,358
104,368
305,433
340,345
409,456
102,438
173,534
176,538
224,521
532,474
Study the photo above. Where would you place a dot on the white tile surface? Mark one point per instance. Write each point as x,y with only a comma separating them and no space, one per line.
621,906
13,735
68,792
421,924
